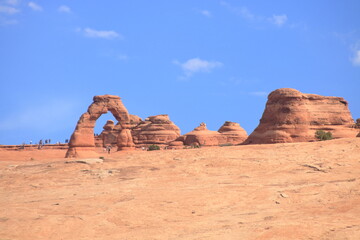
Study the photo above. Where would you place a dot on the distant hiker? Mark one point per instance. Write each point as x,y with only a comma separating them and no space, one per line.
30,142
66,140
108,148
49,141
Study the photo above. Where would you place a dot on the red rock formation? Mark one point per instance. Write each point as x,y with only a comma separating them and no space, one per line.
82,140
108,136
155,130
233,132
203,137
291,116
176,145
110,133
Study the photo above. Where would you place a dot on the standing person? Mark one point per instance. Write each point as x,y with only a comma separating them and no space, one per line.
109,149
30,142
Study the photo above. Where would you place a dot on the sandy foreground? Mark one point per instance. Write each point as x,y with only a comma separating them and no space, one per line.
282,191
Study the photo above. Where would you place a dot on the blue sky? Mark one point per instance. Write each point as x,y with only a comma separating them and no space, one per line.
196,60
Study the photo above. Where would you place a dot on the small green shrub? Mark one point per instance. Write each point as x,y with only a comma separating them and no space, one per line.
226,145
153,147
195,146
323,136
102,158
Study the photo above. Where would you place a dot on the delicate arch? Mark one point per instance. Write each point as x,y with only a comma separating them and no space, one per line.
82,140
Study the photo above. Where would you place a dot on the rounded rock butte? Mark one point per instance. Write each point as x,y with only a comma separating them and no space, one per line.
82,142
201,136
292,116
157,129
233,132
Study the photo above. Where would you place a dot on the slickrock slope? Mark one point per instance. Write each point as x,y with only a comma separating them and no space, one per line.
292,116
157,129
281,191
82,141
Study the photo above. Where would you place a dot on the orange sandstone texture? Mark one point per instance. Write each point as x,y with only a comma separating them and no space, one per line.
229,133
292,116
82,140
233,132
157,129
281,191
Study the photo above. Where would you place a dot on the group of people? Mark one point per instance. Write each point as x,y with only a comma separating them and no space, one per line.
41,143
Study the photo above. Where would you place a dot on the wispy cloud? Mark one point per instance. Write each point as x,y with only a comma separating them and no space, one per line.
35,6
8,10
12,2
206,13
122,57
245,13
92,33
196,65
356,58
259,94
242,11
278,20
64,9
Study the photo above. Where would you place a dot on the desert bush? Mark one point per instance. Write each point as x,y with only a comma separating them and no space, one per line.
323,136
153,147
195,146
102,158
226,145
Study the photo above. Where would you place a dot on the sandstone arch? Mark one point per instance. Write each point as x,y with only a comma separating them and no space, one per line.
82,141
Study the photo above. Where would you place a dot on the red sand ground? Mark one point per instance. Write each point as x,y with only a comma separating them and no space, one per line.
282,191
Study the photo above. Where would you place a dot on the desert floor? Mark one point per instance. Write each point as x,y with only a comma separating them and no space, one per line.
281,191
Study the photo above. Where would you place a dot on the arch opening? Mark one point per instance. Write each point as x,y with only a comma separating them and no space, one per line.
83,141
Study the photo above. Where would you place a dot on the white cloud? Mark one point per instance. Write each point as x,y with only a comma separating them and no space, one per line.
259,94
355,49
242,11
64,9
122,57
35,6
8,10
195,65
206,13
92,33
278,20
245,13
356,58
12,2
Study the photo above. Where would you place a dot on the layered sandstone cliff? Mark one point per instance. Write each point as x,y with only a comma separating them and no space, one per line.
233,132
292,116
157,129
